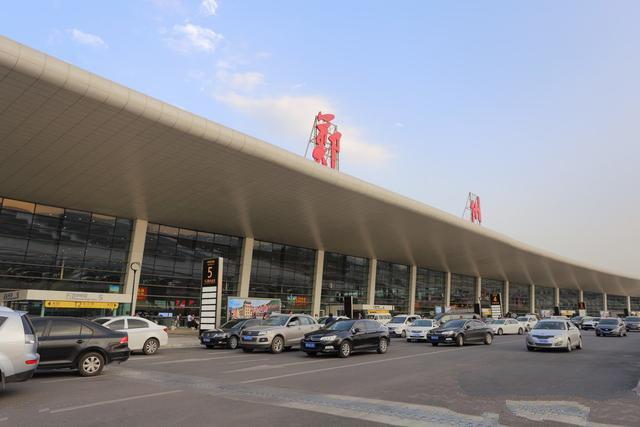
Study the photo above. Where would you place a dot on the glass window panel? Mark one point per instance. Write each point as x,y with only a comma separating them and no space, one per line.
463,291
430,289
489,287
519,298
392,286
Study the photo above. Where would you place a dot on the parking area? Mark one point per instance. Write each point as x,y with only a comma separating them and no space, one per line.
413,383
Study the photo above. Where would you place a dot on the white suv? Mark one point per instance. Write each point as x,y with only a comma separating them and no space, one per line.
399,324
18,347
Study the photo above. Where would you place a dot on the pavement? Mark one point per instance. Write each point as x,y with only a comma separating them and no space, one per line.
412,384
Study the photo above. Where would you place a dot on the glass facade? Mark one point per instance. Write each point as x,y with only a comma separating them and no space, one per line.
545,298
488,287
569,299
342,276
50,248
594,303
430,287
519,298
463,291
616,304
284,272
172,268
635,304
392,286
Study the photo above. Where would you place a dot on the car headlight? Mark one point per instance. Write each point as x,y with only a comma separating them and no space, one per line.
329,338
448,333
558,339
263,333
223,335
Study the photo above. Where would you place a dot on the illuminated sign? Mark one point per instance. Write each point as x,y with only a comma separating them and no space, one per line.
211,293
210,272
325,139
81,304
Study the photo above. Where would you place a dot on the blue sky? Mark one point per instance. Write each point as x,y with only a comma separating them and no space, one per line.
531,105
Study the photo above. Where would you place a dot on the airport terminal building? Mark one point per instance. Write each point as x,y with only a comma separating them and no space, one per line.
110,196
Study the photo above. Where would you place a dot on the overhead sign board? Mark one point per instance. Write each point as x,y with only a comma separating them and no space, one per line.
239,308
81,304
211,293
496,305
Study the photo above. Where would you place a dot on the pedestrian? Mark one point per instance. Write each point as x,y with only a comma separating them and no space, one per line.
330,319
190,320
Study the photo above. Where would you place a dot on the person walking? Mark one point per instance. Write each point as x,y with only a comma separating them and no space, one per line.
190,320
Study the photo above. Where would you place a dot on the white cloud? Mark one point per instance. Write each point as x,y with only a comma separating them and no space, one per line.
245,82
292,116
189,37
87,39
209,7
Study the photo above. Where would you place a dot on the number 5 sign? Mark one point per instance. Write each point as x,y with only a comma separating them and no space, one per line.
211,293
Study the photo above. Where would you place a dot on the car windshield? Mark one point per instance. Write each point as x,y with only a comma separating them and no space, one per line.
102,321
276,321
587,319
341,325
498,322
632,319
398,319
522,319
455,323
231,323
423,323
597,319
550,325
609,322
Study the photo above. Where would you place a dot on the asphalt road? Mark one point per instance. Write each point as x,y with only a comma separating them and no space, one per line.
413,384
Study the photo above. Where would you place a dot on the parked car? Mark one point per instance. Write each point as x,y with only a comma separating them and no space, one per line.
506,326
382,318
323,320
632,323
551,333
398,325
588,323
144,335
459,332
577,320
346,336
228,335
18,347
527,321
417,331
443,318
72,343
613,326
278,332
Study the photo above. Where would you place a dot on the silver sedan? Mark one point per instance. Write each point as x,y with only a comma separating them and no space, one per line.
554,333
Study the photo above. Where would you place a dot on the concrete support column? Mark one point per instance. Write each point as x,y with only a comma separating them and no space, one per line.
246,257
412,289
373,271
317,282
505,297
532,298
557,298
134,262
478,289
604,301
580,295
447,292
629,304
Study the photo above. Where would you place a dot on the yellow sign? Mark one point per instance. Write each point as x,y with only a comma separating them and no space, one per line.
81,304
376,311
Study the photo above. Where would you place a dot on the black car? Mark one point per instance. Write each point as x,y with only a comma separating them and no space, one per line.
227,335
461,331
632,323
612,326
345,336
67,342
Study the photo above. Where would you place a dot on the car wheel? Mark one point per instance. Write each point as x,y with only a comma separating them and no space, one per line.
403,334
150,346
409,340
459,340
383,345
312,353
345,349
435,344
233,342
211,346
488,339
597,333
247,350
277,345
500,332
529,348
520,331
569,346
579,346
90,364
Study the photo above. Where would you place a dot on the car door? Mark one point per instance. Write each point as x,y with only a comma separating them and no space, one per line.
373,333
359,335
293,331
138,331
62,343
478,330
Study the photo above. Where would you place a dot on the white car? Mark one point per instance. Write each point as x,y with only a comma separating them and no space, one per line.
382,318
398,325
419,328
144,335
506,326
527,321
551,333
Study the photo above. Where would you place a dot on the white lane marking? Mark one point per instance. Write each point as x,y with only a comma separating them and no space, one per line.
40,411
4,419
352,365
545,410
109,402
202,359
244,361
145,358
283,365
71,379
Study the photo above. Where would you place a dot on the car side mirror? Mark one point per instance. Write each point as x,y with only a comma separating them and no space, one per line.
356,330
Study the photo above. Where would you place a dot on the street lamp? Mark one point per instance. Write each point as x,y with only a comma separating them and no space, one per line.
135,266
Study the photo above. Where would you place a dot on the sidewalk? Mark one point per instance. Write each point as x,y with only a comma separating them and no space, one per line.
183,338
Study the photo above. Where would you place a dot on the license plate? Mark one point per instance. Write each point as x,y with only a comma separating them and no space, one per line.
434,338
247,338
206,340
309,345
